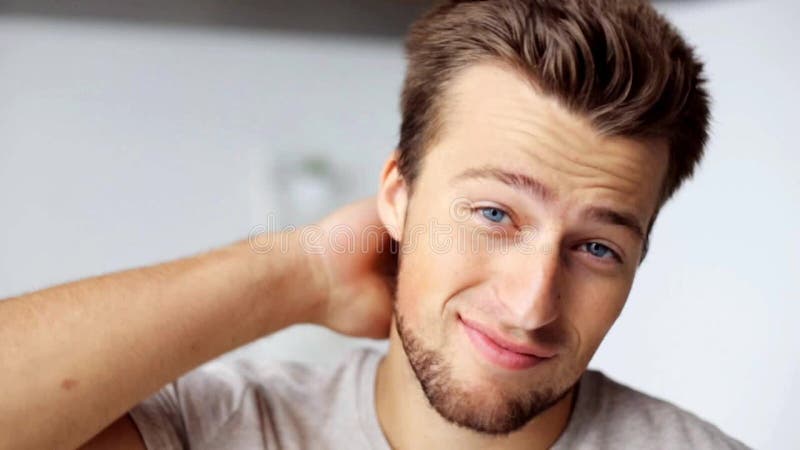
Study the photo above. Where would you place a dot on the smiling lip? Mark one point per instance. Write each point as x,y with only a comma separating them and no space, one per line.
500,351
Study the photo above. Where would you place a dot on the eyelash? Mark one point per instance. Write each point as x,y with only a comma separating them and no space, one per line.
614,255
481,209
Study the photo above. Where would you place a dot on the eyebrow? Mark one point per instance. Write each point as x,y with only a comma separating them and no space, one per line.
612,217
538,189
518,181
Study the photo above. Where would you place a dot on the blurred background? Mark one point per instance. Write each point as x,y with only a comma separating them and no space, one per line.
136,132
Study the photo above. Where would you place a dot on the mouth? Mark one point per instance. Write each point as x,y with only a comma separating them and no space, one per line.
499,351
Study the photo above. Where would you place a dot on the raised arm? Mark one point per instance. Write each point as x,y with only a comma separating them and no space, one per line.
75,357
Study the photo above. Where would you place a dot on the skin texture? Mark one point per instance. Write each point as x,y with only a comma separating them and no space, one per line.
77,356
560,292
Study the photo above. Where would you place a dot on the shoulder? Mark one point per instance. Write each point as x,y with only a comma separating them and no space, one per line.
609,414
248,403
281,383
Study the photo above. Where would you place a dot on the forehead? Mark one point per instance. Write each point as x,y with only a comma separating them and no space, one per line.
492,116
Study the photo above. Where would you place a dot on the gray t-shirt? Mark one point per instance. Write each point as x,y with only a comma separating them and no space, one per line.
296,406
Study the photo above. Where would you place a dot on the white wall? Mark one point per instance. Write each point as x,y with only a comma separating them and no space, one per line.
124,145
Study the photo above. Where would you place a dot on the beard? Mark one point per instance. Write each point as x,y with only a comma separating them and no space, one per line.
493,413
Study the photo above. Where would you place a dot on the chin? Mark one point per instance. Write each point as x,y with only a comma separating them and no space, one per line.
485,406
485,402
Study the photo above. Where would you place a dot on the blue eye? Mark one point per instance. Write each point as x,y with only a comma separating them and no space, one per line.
599,250
494,214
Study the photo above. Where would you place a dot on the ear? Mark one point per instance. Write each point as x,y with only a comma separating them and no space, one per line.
392,198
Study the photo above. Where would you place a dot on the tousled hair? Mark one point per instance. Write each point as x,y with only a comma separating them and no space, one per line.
618,63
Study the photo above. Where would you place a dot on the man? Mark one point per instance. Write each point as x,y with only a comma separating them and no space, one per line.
539,141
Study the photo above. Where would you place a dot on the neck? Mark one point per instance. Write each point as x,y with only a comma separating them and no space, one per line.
409,422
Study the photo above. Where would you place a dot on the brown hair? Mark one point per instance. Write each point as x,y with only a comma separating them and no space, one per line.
617,62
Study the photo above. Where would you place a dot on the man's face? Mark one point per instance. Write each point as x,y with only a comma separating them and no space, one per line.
521,241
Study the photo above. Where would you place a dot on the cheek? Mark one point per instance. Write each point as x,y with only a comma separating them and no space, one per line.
432,277
418,284
593,312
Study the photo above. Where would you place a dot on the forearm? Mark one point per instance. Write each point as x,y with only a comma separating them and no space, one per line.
76,356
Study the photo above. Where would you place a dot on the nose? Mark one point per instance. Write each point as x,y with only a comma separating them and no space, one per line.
528,287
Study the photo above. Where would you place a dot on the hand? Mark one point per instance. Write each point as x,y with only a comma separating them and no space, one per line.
355,261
